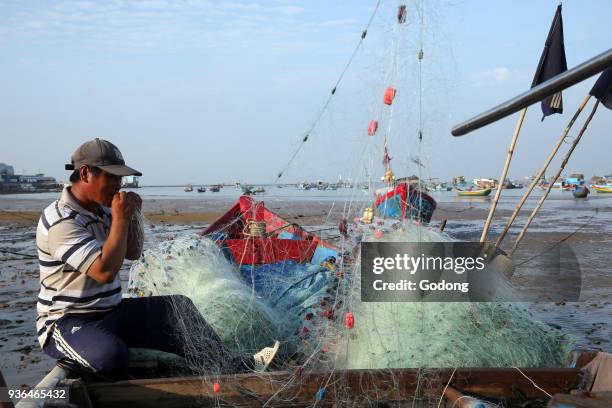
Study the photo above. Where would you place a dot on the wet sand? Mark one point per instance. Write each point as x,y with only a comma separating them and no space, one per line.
588,321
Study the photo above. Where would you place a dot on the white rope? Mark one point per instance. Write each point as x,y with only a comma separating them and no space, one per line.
532,382
447,384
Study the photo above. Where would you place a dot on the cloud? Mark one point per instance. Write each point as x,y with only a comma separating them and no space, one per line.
159,25
291,10
498,76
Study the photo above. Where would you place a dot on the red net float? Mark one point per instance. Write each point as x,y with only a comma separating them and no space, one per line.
389,95
349,320
372,127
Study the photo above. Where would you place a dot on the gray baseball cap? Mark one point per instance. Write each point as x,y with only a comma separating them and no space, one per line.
103,154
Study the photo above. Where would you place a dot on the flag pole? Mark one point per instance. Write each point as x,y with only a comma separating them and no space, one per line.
537,178
550,185
502,179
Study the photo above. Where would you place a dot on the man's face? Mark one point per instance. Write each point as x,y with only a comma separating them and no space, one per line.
103,187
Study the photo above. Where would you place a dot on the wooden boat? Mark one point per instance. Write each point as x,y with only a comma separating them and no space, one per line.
484,183
201,189
580,192
254,235
606,189
188,188
391,387
474,193
160,381
215,189
405,201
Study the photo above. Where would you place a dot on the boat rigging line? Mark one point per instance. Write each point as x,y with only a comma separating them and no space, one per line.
587,222
364,33
537,178
555,177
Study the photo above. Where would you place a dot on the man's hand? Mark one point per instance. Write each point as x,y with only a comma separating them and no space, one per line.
107,265
124,205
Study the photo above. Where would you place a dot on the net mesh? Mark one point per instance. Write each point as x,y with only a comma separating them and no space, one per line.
305,307
314,307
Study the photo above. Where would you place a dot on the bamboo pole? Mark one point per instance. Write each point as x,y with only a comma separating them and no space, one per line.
500,183
537,178
550,186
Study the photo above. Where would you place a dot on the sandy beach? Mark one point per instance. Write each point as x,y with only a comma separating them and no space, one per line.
23,364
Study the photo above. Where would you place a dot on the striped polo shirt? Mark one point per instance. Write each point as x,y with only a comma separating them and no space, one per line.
69,239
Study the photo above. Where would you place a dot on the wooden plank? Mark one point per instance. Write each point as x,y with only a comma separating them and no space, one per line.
284,389
585,400
580,357
5,402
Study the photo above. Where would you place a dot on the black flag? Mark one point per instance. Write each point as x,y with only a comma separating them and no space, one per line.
602,89
552,63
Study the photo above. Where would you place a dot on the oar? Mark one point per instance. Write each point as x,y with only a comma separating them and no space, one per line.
550,186
537,178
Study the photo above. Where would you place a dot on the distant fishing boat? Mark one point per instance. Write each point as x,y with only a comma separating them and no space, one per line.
259,190
561,185
474,193
188,188
484,183
607,189
247,190
322,185
581,192
216,188
201,189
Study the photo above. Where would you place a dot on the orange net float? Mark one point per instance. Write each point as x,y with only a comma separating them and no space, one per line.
216,388
389,95
372,127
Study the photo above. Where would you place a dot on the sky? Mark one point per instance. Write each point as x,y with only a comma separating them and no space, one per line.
221,91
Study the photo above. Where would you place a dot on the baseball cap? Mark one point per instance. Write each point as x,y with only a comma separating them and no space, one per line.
102,154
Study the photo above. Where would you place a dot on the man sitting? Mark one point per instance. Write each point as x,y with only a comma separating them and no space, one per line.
82,240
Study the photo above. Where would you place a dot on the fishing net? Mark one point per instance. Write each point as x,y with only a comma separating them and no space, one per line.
195,267
305,306
313,305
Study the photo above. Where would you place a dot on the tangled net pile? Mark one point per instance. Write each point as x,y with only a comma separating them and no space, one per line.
305,308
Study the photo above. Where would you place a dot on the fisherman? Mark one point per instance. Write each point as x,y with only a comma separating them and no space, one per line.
83,239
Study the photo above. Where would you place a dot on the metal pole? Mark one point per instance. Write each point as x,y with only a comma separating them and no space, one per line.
500,183
537,178
537,93
563,163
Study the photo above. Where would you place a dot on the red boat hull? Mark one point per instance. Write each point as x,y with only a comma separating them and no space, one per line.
282,240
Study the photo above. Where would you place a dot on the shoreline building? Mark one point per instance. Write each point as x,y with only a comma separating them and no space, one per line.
19,183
